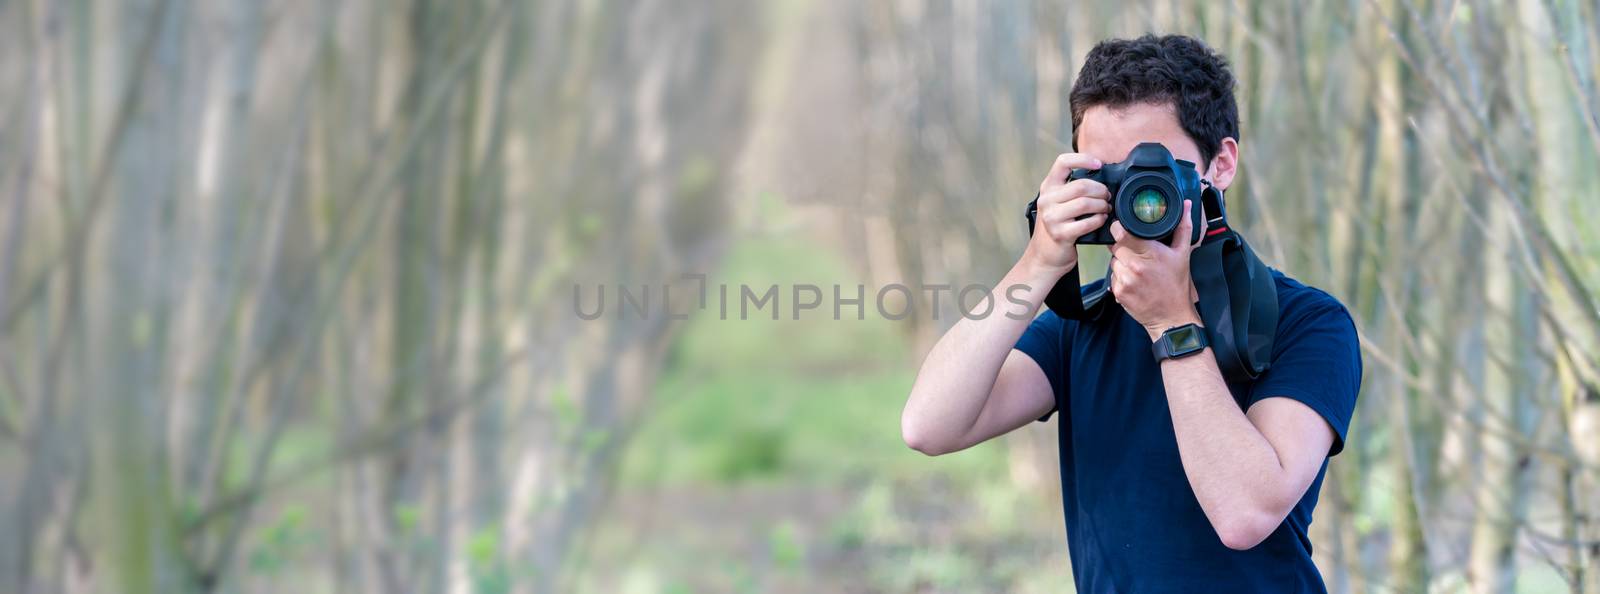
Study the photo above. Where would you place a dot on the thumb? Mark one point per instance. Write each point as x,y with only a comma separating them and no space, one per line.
1181,239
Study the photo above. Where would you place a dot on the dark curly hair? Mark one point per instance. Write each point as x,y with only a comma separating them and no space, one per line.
1175,69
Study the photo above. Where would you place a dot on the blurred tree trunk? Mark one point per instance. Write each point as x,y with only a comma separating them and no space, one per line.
1500,493
1560,113
1511,332
133,335
1415,430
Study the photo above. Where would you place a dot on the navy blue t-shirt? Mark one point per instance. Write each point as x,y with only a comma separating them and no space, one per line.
1133,523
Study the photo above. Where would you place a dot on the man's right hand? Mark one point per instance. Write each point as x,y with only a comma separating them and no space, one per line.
1053,248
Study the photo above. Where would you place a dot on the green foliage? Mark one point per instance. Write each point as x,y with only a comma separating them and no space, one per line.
565,409
937,568
490,575
872,518
593,439
280,540
699,208
784,543
407,516
751,453
484,546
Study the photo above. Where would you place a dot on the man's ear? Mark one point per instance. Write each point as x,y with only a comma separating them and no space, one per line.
1225,164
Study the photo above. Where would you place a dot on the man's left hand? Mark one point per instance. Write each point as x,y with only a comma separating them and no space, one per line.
1151,279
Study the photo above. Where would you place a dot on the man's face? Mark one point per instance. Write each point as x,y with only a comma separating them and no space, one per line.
1109,134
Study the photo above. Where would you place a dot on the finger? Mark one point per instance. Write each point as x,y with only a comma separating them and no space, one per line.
1063,167
1078,188
1076,228
1124,240
1122,252
1180,240
1075,208
1134,245
1087,187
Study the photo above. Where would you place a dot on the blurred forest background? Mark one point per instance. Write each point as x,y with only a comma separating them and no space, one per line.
286,288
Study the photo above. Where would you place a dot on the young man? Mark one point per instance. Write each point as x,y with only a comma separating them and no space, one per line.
1169,484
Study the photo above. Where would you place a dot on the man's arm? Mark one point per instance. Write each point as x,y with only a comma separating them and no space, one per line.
972,385
1247,470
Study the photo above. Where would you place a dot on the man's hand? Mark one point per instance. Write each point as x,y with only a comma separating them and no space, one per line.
1151,280
1053,249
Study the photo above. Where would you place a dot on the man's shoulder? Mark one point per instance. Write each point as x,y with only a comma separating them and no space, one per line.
1299,302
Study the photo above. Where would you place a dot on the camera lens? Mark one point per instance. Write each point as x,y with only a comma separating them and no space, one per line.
1149,205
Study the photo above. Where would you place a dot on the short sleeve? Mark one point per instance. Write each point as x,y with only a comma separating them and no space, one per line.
1044,342
1316,361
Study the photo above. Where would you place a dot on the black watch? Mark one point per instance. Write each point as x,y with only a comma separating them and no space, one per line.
1180,341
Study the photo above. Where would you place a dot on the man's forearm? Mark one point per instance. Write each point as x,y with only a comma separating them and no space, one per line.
1233,469
960,370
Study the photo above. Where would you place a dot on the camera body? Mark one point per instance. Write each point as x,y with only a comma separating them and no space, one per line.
1147,193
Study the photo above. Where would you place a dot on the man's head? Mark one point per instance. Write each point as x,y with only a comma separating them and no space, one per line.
1170,89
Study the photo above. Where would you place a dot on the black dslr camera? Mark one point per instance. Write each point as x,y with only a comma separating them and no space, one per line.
1147,193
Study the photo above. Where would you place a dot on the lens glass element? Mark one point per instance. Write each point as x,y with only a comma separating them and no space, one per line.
1149,205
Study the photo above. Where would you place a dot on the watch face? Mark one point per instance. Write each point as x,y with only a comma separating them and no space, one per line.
1185,339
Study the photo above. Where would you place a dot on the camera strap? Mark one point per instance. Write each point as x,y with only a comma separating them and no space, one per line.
1072,302
1238,299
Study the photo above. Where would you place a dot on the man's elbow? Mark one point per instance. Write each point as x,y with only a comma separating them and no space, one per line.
1245,529
918,438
